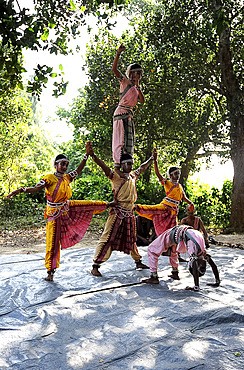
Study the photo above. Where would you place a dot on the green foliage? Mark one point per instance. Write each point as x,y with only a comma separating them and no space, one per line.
25,151
191,114
92,186
45,25
212,205
21,212
15,115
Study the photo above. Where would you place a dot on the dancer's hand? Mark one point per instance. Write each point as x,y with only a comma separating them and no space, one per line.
114,203
89,149
121,48
14,193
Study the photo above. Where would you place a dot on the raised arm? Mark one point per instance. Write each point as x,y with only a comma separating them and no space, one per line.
82,164
156,169
116,59
104,167
146,164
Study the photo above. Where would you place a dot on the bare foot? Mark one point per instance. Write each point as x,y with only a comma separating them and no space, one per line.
174,276
151,280
49,277
95,272
140,265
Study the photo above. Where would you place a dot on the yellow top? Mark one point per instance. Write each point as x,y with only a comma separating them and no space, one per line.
63,194
127,194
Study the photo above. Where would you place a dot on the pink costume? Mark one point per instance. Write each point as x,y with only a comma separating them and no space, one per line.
123,125
181,238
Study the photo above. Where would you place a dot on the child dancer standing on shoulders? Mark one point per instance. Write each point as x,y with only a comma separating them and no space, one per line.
123,125
68,220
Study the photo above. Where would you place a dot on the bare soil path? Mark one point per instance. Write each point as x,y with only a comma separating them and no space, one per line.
34,240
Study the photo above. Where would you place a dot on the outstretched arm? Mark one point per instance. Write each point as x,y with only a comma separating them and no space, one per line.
215,271
104,167
116,59
31,189
146,164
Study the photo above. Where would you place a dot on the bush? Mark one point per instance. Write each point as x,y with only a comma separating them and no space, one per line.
20,212
212,205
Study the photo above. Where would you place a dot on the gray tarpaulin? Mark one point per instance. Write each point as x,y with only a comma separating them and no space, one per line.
114,322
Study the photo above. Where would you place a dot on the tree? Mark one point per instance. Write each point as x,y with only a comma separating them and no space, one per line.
193,83
15,113
25,152
45,25
171,118
205,41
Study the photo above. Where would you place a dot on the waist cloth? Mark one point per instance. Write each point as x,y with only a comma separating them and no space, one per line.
122,235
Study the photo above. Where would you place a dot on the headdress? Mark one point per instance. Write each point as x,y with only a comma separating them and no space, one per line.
60,158
125,157
172,169
133,67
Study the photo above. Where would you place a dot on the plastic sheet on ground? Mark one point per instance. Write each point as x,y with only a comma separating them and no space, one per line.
115,322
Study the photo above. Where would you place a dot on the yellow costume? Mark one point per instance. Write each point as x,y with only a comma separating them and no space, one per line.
164,214
68,220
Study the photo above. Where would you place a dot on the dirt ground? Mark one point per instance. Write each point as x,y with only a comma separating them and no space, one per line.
33,240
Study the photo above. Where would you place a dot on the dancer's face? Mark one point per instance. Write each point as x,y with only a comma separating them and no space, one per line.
135,76
175,176
127,167
62,166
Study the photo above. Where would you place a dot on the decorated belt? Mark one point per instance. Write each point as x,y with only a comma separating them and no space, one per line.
122,212
173,201
56,205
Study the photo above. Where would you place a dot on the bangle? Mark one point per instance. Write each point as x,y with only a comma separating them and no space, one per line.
196,288
23,189
85,157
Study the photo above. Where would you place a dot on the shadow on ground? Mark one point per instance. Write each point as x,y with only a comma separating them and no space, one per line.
115,322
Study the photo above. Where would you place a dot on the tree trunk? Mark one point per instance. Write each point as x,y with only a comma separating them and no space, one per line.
234,97
187,165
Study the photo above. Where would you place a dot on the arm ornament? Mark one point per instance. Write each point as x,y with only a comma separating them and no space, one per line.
73,174
138,171
85,157
23,189
40,183
111,174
